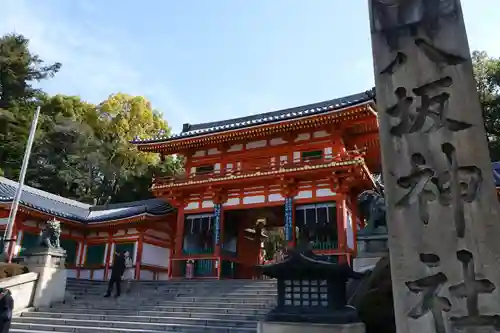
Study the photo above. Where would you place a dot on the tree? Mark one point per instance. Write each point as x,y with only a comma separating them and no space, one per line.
487,74
19,69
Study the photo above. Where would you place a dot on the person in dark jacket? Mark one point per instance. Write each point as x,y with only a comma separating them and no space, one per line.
6,307
116,274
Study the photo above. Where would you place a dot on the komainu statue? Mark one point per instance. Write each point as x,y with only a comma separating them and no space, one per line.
372,208
49,236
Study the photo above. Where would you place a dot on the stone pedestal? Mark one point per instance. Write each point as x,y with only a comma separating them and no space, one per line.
51,284
281,327
370,249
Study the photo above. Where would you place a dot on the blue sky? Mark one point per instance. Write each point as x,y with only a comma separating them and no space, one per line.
200,61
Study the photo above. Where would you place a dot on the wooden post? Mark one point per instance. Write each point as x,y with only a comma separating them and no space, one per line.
138,258
219,196
443,216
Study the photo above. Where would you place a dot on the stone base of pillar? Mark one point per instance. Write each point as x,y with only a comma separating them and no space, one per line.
51,284
282,327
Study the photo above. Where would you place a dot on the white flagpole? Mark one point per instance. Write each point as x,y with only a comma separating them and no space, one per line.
15,204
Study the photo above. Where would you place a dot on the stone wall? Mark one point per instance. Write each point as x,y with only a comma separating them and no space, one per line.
22,288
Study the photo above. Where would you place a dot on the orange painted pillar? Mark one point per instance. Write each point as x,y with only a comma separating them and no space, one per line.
81,257
12,244
138,259
354,221
179,236
341,225
108,254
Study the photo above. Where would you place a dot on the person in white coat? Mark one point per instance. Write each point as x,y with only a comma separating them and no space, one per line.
128,275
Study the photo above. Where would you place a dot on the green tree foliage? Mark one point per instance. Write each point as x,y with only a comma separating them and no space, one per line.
487,74
81,150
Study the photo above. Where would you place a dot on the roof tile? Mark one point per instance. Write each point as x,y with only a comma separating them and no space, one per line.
263,118
77,211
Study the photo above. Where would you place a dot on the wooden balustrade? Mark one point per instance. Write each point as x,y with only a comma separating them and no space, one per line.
261,164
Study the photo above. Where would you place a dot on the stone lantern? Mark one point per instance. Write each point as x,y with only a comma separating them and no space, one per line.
311,295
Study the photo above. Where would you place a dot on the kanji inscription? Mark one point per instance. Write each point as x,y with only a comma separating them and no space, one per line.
433,105
453,187
470,289
428,289
458,185
400,18
419,185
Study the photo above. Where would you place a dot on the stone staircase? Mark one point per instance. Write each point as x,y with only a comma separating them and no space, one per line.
156,306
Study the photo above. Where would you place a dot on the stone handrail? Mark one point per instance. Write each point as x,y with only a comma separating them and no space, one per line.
22,288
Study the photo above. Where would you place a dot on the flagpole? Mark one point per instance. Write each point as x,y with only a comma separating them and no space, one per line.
15,204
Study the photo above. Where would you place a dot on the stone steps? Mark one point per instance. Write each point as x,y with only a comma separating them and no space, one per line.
175,311
156,306
100,293
133,322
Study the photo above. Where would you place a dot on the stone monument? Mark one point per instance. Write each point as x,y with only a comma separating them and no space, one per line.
311,296
442,207
48,260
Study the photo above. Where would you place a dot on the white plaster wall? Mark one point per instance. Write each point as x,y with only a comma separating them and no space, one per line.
320,134
98,274
232,202
237,147
254,199
296,156
283,159
324,192
146,275
256,144
71,273
213,151
207,204
85,274
304,194
199,153
155,255
277,141
275,197
163,276
303,136
192,205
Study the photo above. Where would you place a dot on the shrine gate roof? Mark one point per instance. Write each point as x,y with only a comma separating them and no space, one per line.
58,206
193,130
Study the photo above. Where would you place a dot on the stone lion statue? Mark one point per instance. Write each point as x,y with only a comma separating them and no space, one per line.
49,236
372,208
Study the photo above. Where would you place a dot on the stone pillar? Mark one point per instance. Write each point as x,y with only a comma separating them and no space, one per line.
51,283
443,216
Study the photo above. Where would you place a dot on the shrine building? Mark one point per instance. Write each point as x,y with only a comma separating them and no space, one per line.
298,169
91,234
